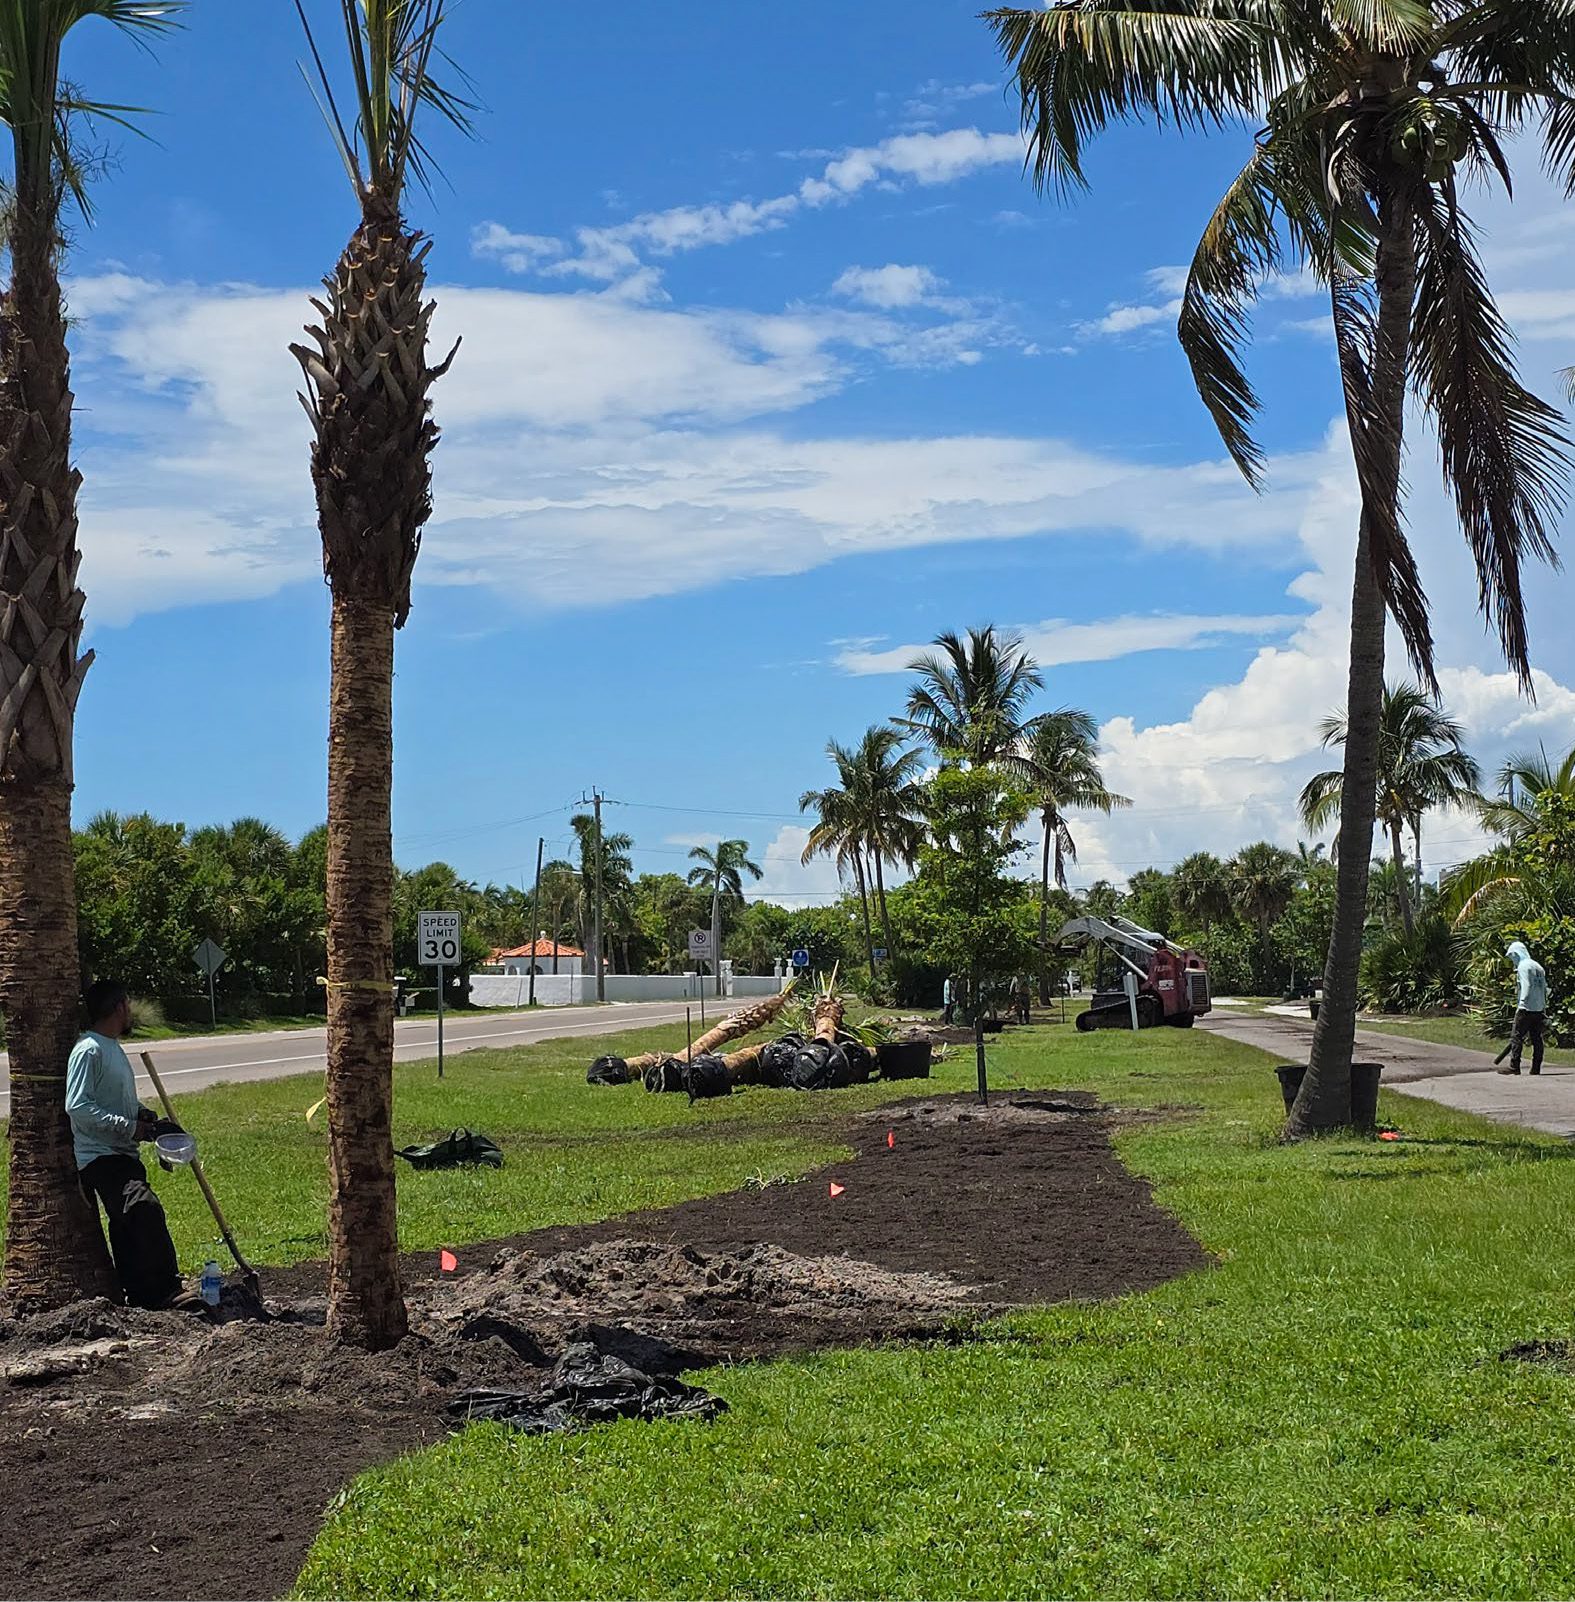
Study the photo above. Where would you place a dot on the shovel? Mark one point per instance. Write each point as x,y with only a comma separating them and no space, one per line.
248,1273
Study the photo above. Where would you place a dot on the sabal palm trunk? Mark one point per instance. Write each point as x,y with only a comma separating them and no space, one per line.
716,931
366,1303
733,1027
369,380
54,1249
1324,1101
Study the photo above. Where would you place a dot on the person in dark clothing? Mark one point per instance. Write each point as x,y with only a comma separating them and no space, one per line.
107,1125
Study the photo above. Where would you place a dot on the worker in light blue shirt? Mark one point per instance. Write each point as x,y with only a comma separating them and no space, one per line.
108,1123
1531,1007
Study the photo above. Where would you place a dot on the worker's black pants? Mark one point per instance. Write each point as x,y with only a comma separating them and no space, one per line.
1527,1025
139,1238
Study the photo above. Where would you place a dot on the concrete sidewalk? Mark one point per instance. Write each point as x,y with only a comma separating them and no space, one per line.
1450,1075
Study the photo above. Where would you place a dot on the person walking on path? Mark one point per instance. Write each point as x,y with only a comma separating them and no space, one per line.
107,1125
1531,1008
948,1000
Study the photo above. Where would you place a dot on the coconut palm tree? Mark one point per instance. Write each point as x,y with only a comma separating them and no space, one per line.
1262,879
1057,758
971,701
889,804
1367,111
1421,765
723,870
838,831
1529,786
53,1250
368,385
1202,890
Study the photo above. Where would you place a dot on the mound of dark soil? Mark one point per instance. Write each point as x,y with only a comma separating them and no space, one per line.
149,1442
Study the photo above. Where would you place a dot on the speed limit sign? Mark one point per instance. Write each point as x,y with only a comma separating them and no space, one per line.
437,939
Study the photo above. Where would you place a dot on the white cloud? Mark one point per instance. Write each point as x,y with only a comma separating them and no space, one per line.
1169,282
594,451
616,252
889,286
791,882
1059,642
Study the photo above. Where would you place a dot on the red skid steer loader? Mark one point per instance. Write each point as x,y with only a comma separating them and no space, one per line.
1161,982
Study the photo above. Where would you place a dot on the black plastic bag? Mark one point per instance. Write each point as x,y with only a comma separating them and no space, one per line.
588,1387
608,1071
861,1062
705,1077
776,1060
457,1149
668,1074
820,1066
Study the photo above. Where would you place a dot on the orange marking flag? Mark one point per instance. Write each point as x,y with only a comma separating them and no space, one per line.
836,1189
447,1261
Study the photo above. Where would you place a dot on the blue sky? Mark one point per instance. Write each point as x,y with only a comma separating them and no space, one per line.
774,366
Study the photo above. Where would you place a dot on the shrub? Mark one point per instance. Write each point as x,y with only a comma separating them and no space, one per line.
1416,972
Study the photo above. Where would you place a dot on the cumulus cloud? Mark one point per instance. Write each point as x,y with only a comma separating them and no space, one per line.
889,286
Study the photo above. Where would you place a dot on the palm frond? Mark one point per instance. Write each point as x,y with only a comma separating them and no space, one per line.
1082,64
1319,803
1506,457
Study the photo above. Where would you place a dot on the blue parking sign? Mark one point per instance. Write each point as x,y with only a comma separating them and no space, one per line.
801,958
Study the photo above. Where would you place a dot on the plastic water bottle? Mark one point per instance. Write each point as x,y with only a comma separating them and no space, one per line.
211,1282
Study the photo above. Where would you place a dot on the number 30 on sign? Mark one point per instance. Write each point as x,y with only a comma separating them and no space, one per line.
437,939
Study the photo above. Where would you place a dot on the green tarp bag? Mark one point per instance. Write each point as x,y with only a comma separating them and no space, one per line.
458,1148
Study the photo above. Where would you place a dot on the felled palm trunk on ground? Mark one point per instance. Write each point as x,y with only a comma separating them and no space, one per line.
368,383
54,1248
733,1027
828,1016
1324,1101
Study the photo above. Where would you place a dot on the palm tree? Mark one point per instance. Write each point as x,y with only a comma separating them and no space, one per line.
888,803
1262,880
560,888
54,1251
1058,758
1421,765
723,869
368,385
1202,890
971,701
1367,112
1522,781
838,831
1528,786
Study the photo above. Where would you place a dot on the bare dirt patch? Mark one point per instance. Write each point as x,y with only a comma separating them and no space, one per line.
168,1458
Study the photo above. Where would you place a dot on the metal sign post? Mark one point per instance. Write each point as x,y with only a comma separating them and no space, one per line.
702,949
209,959
437,946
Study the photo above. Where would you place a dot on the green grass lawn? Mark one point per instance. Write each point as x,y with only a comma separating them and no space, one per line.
1322,1413
1458,1031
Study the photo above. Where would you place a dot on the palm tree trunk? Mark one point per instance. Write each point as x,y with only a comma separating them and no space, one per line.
716,929
1324,1101
365,1300
864,903
54,1250
880,902
1402,890
1044,914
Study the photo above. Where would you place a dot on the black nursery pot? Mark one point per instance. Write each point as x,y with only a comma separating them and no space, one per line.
904,1059
1364,1090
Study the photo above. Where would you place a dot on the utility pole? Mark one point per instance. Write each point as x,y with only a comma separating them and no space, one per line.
535,903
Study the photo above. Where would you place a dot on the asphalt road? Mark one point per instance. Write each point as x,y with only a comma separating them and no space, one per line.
197,1061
